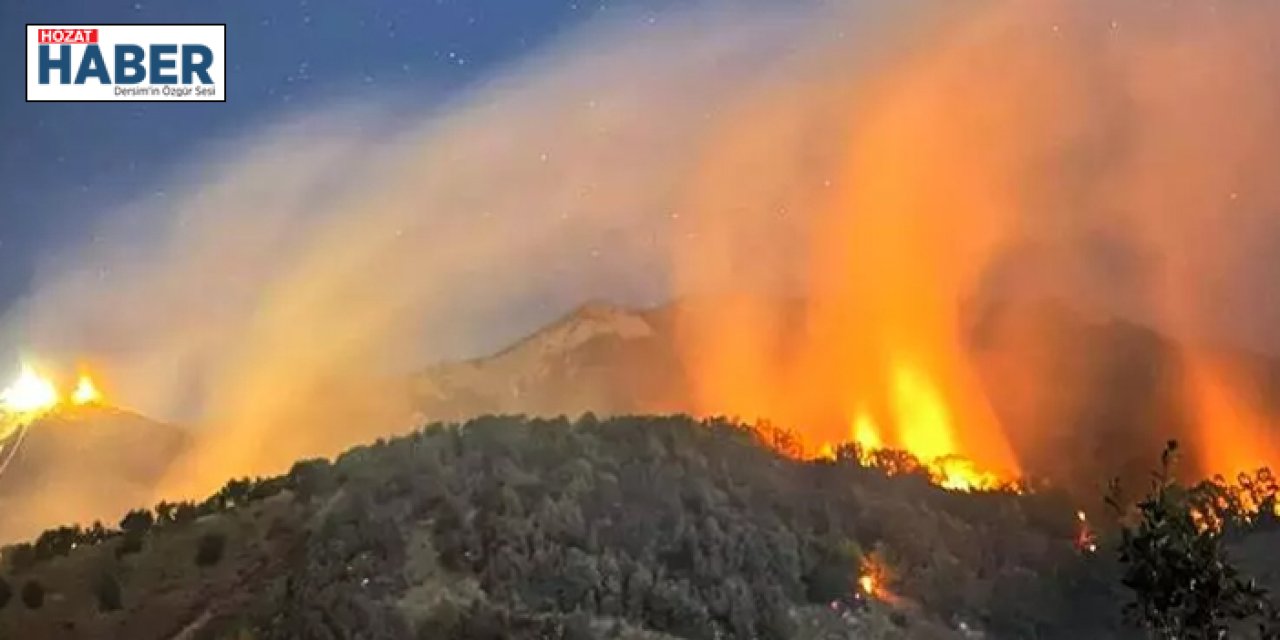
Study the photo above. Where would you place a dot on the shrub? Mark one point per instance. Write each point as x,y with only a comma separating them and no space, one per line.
33,594
209,549
1183,583
138,521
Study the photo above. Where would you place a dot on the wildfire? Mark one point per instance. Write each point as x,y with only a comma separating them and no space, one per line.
865,432
925,435
925,420
873,578
33,394
961,474
867,583
86,392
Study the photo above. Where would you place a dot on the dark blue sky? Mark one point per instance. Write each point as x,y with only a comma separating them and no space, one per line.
61,165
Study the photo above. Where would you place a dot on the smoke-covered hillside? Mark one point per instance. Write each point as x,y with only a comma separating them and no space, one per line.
1114,398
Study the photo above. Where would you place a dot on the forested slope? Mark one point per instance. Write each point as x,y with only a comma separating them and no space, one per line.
627,527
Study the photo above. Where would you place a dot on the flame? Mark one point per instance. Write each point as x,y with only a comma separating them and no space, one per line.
961,474
873,578
899,232
86,392
956,156
34,394
924,422
1232,435
867,583
926,432
30,394
865,433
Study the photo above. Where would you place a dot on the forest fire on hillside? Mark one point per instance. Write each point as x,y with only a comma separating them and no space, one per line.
929,215
947,470
951,472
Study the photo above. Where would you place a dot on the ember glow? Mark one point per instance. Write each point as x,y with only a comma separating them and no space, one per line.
873,578
86,392
1086,538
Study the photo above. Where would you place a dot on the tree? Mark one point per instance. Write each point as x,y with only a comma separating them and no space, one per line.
135,526
185,512
1184,587
6,593
309,478
96,533
234,493
57,542
137,521
165,512
33,594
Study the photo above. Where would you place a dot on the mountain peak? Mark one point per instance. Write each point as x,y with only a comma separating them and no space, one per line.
589,321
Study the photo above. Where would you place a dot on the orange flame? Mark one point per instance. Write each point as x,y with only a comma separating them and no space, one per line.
867,582
865,432
86,392
34,394
1232,436
873,579
899,237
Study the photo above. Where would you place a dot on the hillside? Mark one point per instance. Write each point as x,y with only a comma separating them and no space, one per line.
627,528
81,463
642,527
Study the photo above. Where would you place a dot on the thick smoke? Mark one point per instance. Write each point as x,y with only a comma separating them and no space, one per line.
896,170
277,293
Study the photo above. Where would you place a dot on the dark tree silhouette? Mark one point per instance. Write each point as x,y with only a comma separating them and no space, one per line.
1175,563
137,521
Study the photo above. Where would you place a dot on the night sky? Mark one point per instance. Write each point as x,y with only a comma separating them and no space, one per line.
63,164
